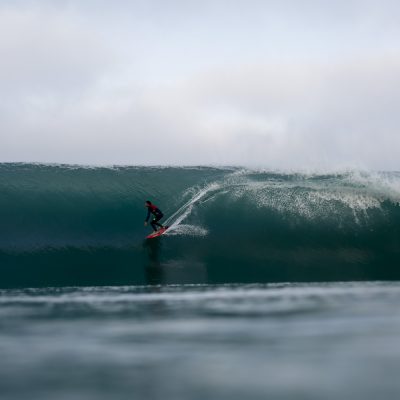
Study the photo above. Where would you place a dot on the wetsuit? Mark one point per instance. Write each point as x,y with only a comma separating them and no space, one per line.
157,215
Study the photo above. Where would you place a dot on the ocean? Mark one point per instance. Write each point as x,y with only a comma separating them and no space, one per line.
267,284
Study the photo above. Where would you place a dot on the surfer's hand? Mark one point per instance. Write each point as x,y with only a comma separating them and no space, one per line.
145,224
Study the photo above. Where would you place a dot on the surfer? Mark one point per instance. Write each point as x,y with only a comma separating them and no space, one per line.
157,215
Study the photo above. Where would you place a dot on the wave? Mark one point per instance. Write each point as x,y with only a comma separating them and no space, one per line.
70,225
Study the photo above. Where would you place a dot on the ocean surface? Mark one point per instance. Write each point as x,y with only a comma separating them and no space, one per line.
267,285
265,341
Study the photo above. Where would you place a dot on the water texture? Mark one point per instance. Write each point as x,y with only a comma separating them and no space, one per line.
279,341
267,284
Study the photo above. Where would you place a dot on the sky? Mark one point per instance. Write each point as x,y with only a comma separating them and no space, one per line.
283,84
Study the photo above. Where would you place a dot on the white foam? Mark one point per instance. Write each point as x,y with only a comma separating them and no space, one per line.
347,196
310,197
381,184
187,230
175,220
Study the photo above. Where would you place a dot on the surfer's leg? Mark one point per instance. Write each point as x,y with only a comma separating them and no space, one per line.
161,226
155,223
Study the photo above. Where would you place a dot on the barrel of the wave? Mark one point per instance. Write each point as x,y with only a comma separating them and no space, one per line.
66,225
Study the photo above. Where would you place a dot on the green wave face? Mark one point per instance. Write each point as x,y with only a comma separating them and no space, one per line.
69,225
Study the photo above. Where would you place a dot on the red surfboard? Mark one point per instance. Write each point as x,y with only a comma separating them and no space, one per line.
158,233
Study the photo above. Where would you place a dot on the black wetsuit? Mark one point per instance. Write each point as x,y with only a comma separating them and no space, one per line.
157,215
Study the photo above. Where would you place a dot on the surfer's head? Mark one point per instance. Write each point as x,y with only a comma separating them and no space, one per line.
147,203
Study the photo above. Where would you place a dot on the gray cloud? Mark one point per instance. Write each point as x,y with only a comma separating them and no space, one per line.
271,85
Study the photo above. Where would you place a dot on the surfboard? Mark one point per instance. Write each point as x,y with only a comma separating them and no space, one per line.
158,233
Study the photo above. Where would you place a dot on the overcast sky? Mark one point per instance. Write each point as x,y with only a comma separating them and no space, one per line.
278,84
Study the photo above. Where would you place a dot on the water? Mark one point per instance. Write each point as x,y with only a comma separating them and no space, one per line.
66,225
283,341
221,306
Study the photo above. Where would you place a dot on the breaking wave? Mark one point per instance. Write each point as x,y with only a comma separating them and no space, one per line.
70,225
